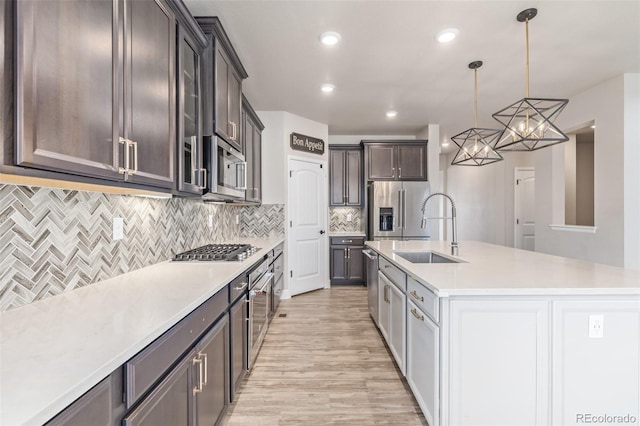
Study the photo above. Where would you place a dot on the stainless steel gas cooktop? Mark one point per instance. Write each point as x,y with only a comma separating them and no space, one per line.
218,252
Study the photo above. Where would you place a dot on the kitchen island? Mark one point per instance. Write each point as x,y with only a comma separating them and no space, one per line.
54,350
503,336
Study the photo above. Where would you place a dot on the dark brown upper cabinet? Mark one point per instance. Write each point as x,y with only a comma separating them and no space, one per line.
396,160
345,175
252,146
95,92
223,84
191,176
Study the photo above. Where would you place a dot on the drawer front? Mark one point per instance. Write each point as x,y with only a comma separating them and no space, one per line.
352,241
423,298
238,288
92,408
394,273
278,250
144,369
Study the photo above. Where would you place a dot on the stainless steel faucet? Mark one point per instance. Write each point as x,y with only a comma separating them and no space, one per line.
423,223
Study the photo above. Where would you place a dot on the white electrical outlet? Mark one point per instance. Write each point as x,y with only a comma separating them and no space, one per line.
118,228
210,221
237,219
596,326
349,217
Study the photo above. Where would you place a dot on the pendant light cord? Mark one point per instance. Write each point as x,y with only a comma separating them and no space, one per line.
527,42
475,98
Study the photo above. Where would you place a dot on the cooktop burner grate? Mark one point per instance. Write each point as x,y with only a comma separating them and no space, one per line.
218,252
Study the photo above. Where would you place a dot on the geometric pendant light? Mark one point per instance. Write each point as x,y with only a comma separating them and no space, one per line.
528,123
476,144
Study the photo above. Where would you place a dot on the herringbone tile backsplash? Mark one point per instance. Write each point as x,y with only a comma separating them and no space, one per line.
55,240
266,220
338,219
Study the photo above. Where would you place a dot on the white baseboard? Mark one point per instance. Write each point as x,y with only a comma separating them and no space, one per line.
286,294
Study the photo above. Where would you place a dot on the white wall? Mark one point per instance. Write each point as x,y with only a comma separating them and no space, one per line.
273,157
632,171
484,198
355,139
570,180
615,177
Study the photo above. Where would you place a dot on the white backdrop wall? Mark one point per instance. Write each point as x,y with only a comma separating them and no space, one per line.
612,105
484,198
632,171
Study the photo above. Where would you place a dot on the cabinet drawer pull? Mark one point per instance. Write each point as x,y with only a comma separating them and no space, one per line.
415,296
242,287
415,314
347,241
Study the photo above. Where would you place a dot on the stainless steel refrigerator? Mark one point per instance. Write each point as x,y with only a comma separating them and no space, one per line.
395,210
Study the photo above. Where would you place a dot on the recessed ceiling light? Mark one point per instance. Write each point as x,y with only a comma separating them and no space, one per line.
447,35
444,144
328,88
329,38
593,126
392,114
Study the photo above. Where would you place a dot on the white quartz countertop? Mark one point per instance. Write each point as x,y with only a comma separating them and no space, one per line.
497,270
54,350
347,234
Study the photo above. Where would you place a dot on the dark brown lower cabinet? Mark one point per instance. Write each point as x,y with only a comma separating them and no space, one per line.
212,398
102,405
196,391
239,331
170,403
346,260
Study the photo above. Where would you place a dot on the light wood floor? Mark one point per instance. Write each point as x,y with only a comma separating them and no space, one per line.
324,364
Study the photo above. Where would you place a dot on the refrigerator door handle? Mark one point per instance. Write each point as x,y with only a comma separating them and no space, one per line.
400,210
404,209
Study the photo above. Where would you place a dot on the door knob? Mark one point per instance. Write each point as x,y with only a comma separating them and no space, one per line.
321,232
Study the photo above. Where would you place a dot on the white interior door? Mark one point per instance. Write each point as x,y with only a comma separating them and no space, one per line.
307,211
525,209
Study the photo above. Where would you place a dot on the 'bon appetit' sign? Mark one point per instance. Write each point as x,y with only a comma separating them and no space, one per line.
307,144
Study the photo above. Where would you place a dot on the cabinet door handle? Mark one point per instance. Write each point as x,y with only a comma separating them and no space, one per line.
345,253
348,253
415,296
204,179
133,171
233,130
206,368
125,142
393,172
399,172
198,388
415,314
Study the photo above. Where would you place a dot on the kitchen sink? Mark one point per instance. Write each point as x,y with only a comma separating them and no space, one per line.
425,257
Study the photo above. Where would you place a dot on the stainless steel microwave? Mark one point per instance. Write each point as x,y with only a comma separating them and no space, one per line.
226,171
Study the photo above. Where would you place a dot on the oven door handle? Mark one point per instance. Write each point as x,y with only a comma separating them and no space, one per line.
267,278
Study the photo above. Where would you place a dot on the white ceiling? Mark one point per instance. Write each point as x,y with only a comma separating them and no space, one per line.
388,57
